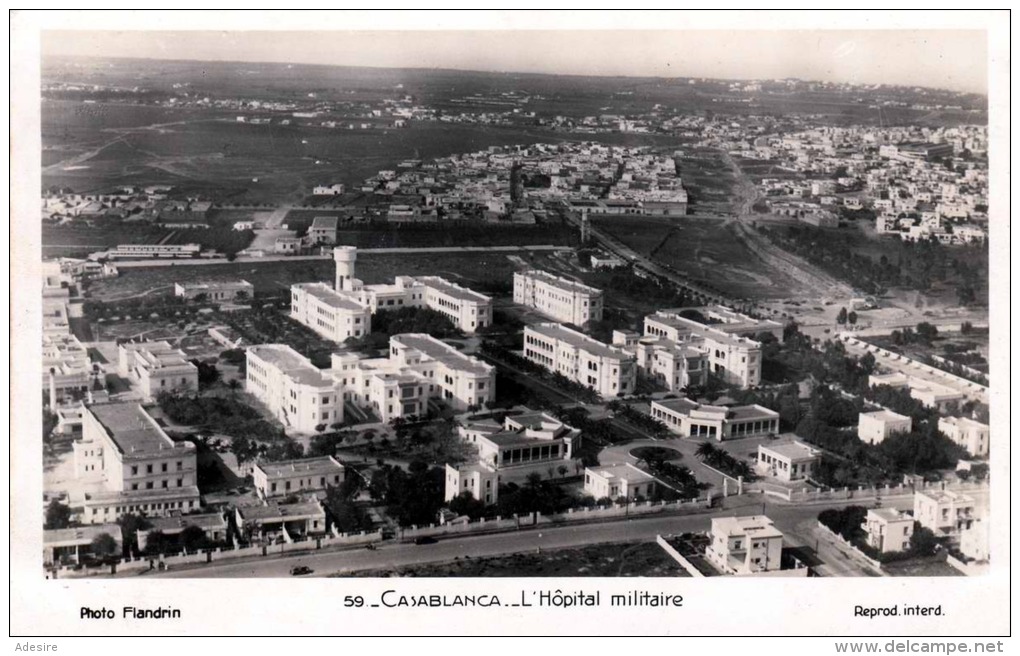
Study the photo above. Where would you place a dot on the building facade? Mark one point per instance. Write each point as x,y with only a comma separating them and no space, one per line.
215,291
674,366
888,530
329,314
609,370
558,298
618,481
137,467
691,419
731,356
301,476
874,427
945,512
745,545
417,368
788,461
156,367
299,394
971,435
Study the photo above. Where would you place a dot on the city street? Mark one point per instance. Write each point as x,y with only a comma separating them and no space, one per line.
793,519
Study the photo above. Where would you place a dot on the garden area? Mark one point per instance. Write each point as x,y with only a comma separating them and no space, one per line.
252,436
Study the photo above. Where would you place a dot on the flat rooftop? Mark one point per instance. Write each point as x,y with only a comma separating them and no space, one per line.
753,526
325,222
181,522
563,284
281,512
684,325
291,363
79,535
226,284
312,466
885,415
624,472
328,296
579,340
454,290
134,432
439,351
793,451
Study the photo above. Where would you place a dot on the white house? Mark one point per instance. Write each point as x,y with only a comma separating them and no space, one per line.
874,427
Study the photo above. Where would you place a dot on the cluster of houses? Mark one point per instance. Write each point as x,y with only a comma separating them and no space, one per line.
513,184
921,183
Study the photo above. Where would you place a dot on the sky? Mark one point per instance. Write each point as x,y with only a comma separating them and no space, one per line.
947,59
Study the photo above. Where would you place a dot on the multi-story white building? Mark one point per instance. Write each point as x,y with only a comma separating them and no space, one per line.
334,316
691,419
295,391
131,465
971,435
418,368
344,311
618,481
676,366
874,427
156,367
745,545
945,512
888,530
301,476
215,291
68,371
558,298
609,370
525,443
732,357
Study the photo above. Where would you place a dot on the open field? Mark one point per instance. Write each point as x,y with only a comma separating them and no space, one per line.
708,180
205,152
706,250
632,559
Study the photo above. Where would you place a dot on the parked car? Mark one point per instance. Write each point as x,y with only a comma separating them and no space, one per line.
425,539
300,570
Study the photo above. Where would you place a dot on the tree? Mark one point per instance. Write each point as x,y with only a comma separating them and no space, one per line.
706,451
841,318
927,331
851,318
465,503
57,515
104,546
193,538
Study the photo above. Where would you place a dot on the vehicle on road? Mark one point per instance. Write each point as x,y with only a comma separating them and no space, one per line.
300,570
425,540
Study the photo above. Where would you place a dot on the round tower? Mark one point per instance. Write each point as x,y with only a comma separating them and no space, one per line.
345,257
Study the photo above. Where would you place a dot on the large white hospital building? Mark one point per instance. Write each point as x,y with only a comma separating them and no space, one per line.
608,370
345,310
558,298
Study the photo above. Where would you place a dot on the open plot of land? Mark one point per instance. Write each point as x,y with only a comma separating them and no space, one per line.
632,559
706,250
708,181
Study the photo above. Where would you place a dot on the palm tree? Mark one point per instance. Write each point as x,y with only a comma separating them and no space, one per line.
706,451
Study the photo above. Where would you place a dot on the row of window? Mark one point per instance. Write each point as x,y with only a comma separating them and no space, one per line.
164,467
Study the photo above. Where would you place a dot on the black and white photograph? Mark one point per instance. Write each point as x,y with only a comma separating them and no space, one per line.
557,319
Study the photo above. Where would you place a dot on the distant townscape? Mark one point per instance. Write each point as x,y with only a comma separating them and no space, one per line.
329,325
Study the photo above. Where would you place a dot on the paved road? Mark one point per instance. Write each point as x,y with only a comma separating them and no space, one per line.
390,556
